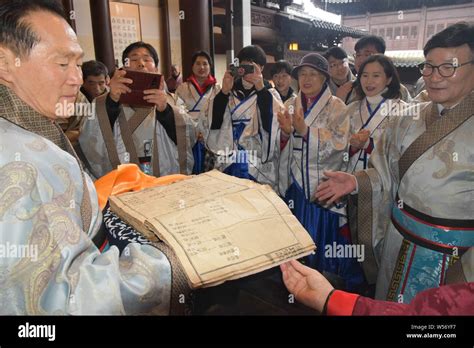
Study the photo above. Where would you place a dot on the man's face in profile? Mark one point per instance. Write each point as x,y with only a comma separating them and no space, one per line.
51,74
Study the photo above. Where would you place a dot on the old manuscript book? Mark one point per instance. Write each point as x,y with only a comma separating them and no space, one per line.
220,227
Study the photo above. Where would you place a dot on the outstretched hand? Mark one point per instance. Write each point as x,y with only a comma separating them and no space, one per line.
338,185
307,285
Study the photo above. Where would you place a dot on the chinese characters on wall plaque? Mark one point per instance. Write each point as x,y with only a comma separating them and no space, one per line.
126,28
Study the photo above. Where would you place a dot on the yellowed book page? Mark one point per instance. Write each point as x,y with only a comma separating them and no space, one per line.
220,227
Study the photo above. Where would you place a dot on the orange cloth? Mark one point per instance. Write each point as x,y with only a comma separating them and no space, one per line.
129,177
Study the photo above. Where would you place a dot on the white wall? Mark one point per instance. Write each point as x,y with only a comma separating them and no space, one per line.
149,17
175,32
84,28
220,66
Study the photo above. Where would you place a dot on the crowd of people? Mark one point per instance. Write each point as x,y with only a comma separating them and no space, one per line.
355,157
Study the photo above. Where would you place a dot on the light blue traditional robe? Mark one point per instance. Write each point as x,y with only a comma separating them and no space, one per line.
60,270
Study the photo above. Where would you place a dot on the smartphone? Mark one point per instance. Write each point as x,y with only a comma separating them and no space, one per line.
241,70
141,81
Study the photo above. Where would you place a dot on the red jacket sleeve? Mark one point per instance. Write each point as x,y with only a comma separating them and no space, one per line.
454,299
341,303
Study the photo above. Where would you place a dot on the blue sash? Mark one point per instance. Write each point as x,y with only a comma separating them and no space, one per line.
199,153
240,168
426,252
194,109
199,149
363,154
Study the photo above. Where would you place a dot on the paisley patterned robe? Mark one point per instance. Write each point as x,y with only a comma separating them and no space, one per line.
49,212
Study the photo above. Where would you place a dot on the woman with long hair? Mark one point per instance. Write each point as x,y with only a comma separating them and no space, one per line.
379,88
195,92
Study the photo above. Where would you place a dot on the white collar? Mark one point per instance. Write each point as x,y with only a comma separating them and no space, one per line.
441,107
375,100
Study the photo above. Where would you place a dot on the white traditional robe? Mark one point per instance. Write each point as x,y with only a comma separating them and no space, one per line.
324,150
302,163
196,104
102,156
439,185
361,118
254,145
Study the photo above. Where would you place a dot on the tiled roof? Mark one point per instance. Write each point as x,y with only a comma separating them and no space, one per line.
321,24
356,33
406,59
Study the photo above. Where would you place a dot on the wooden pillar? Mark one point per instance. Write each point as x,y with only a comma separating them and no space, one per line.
165,39
229,31
102,32
195,34
212,49
242,24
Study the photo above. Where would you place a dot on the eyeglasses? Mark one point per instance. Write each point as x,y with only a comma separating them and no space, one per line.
445,69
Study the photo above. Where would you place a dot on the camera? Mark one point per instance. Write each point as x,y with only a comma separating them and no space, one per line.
241,70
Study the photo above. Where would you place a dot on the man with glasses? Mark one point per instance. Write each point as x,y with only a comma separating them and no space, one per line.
415,202
341,78
445,69
367,46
